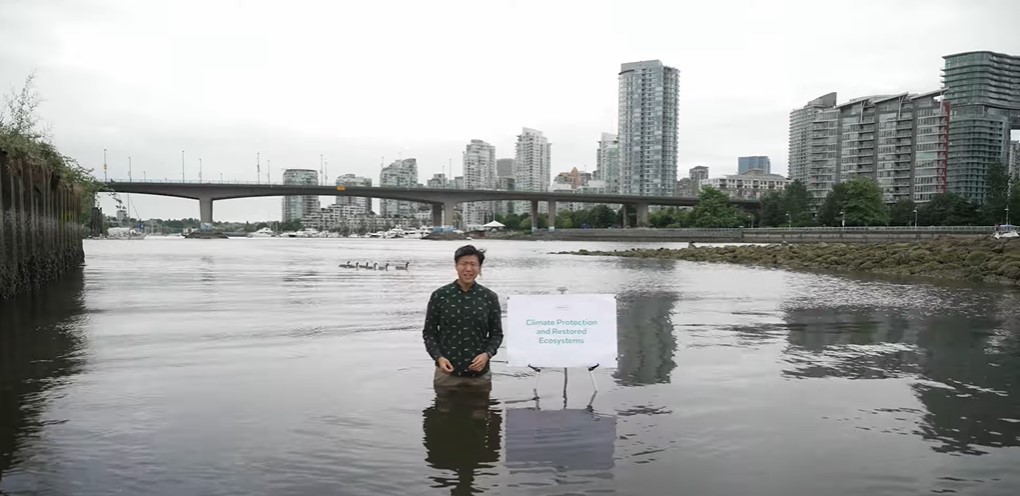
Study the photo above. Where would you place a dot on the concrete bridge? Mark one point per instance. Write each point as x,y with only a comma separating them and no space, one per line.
442,201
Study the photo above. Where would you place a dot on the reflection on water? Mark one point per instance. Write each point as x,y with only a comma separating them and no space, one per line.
568,439
964,362
462,432
646,343
40,347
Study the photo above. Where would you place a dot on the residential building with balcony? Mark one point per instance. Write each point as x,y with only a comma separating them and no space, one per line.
983,91
479,173
647,128
751,185
296,207
898,141
607,162
360,205
1014,161
401,173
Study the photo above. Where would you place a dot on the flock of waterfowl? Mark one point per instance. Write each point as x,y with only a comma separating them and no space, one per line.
373,266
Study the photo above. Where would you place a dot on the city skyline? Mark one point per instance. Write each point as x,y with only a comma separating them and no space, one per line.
148,81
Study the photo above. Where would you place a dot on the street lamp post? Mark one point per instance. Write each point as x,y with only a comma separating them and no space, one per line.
915,218
842,214
1007,214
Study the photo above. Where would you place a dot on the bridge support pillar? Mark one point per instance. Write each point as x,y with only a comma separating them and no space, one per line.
642,214
437,214
624,210
534,215
449,213
552,215
205,210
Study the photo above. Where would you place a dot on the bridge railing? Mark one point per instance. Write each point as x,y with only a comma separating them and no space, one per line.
196,181
406,188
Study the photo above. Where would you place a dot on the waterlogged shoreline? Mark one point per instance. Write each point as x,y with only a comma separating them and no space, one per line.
985,260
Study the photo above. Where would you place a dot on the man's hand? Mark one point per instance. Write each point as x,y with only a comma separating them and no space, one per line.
444,365
479,362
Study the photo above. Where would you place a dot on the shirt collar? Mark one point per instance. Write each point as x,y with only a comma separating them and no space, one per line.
456,286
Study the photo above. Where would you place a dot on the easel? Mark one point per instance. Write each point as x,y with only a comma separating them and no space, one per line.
538,371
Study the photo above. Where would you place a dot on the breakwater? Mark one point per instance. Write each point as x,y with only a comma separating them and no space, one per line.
42,225
979,260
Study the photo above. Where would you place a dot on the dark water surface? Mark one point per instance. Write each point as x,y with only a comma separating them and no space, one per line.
257,366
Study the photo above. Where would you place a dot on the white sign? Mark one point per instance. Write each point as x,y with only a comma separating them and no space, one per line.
561,330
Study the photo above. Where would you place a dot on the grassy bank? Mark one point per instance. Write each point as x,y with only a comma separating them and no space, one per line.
984,260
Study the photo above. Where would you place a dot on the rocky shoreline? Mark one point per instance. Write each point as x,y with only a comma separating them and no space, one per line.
981,260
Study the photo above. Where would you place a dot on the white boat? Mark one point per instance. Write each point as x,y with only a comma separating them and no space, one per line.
124,233
1005,231
265,232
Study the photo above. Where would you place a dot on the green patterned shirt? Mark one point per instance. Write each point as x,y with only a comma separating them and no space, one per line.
460,325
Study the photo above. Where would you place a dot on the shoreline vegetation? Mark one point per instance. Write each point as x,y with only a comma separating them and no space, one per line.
47,201
27,151
975,260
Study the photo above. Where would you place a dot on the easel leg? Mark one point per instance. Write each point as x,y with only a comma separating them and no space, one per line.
538,373
564,387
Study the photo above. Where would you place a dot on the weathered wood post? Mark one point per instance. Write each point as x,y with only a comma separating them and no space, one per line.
5,251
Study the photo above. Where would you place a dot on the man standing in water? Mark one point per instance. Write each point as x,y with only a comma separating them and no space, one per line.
463,326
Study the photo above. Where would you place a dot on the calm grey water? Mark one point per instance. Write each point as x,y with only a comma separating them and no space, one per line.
257,366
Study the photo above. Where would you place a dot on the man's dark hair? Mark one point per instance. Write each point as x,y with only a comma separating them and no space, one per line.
468,250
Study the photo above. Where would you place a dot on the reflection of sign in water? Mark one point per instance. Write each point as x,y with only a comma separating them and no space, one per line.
566,439
561,330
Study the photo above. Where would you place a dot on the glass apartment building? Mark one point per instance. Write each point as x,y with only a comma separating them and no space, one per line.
647,128
983,91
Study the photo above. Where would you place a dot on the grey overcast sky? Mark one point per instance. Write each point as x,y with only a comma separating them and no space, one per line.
368,82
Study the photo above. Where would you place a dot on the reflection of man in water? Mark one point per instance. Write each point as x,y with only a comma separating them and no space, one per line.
463,326
461,434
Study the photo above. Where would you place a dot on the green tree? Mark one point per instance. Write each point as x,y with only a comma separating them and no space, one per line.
829,211
797,201
773,211
948,209
565,220
510,220
858,201
291,225
668,218
994,209
525,223
864,205
602,217
22,139
901,213
581,218
1014,201
715,210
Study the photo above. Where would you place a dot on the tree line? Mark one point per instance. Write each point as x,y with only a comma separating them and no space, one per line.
857,202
